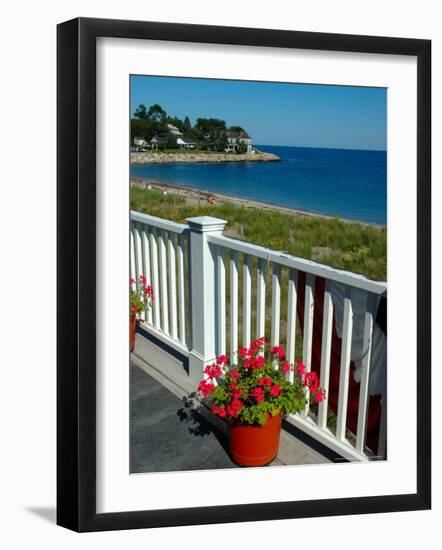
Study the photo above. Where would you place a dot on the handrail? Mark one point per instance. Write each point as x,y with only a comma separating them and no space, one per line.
160,223
301,264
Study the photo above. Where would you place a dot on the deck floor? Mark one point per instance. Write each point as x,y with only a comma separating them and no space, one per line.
172,431
167,434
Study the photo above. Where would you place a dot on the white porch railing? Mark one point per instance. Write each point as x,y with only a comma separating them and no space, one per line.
195,273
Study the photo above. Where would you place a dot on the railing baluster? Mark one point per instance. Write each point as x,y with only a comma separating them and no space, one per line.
145,254
247,301
233,306
291,319
276,304
181,290
155,284
308,331
365,376
347,331
138,259
261,298
163,283
171,268
327,325
133,273
221,300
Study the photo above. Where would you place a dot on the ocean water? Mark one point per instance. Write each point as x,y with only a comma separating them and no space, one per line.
351,184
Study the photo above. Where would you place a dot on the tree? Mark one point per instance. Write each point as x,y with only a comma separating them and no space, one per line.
187,125
236,129
146,129
214,132
141,112
156,113
208,125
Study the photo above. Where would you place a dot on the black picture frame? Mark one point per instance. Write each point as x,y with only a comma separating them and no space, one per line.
76,273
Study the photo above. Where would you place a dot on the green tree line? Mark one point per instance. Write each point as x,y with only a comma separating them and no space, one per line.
208,133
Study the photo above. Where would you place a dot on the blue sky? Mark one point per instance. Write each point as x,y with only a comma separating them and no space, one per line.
302,115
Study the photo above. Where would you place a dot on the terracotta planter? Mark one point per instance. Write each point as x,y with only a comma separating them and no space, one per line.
132,326
254,445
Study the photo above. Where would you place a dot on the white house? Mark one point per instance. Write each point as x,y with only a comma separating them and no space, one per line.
236,139
174,130
159,139
186,143
140,142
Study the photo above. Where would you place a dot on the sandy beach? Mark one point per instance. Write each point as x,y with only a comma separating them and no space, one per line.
198,197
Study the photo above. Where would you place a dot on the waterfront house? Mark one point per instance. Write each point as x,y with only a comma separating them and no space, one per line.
174,130
237,140
186,143
140,142
159,140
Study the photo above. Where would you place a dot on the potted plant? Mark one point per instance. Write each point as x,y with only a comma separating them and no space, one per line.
253,396
141,297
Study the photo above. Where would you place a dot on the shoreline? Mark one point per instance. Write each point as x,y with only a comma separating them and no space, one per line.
195,157
196,196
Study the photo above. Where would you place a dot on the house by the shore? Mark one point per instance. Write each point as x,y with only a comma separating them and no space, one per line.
173,135
140,142
237,140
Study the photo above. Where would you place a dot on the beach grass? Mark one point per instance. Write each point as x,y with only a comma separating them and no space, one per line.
356,247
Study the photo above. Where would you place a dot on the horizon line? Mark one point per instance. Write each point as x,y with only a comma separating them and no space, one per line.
316,147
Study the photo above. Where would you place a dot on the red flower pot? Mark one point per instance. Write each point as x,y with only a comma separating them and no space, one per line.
255,445
132,326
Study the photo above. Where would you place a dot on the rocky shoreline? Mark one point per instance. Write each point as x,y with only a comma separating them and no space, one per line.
199,157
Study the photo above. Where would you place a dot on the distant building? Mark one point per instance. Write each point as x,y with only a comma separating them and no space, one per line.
186,143
168,138
140,142
159,140
236,139
174,130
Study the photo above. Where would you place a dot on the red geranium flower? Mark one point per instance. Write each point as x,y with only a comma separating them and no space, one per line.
301,367
222,360
319,396
213,371
279,352
311,381
205,388
285,367
219,411
276,390
258,394
233,373
234,407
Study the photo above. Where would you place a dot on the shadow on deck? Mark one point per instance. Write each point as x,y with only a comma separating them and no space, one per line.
172,431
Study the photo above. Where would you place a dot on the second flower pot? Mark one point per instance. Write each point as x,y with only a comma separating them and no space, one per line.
255,445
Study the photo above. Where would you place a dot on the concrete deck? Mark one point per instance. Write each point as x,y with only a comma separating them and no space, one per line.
172,431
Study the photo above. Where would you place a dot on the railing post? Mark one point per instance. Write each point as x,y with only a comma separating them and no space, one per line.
203,292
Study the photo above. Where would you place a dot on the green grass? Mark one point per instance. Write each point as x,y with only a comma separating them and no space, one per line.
351,246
